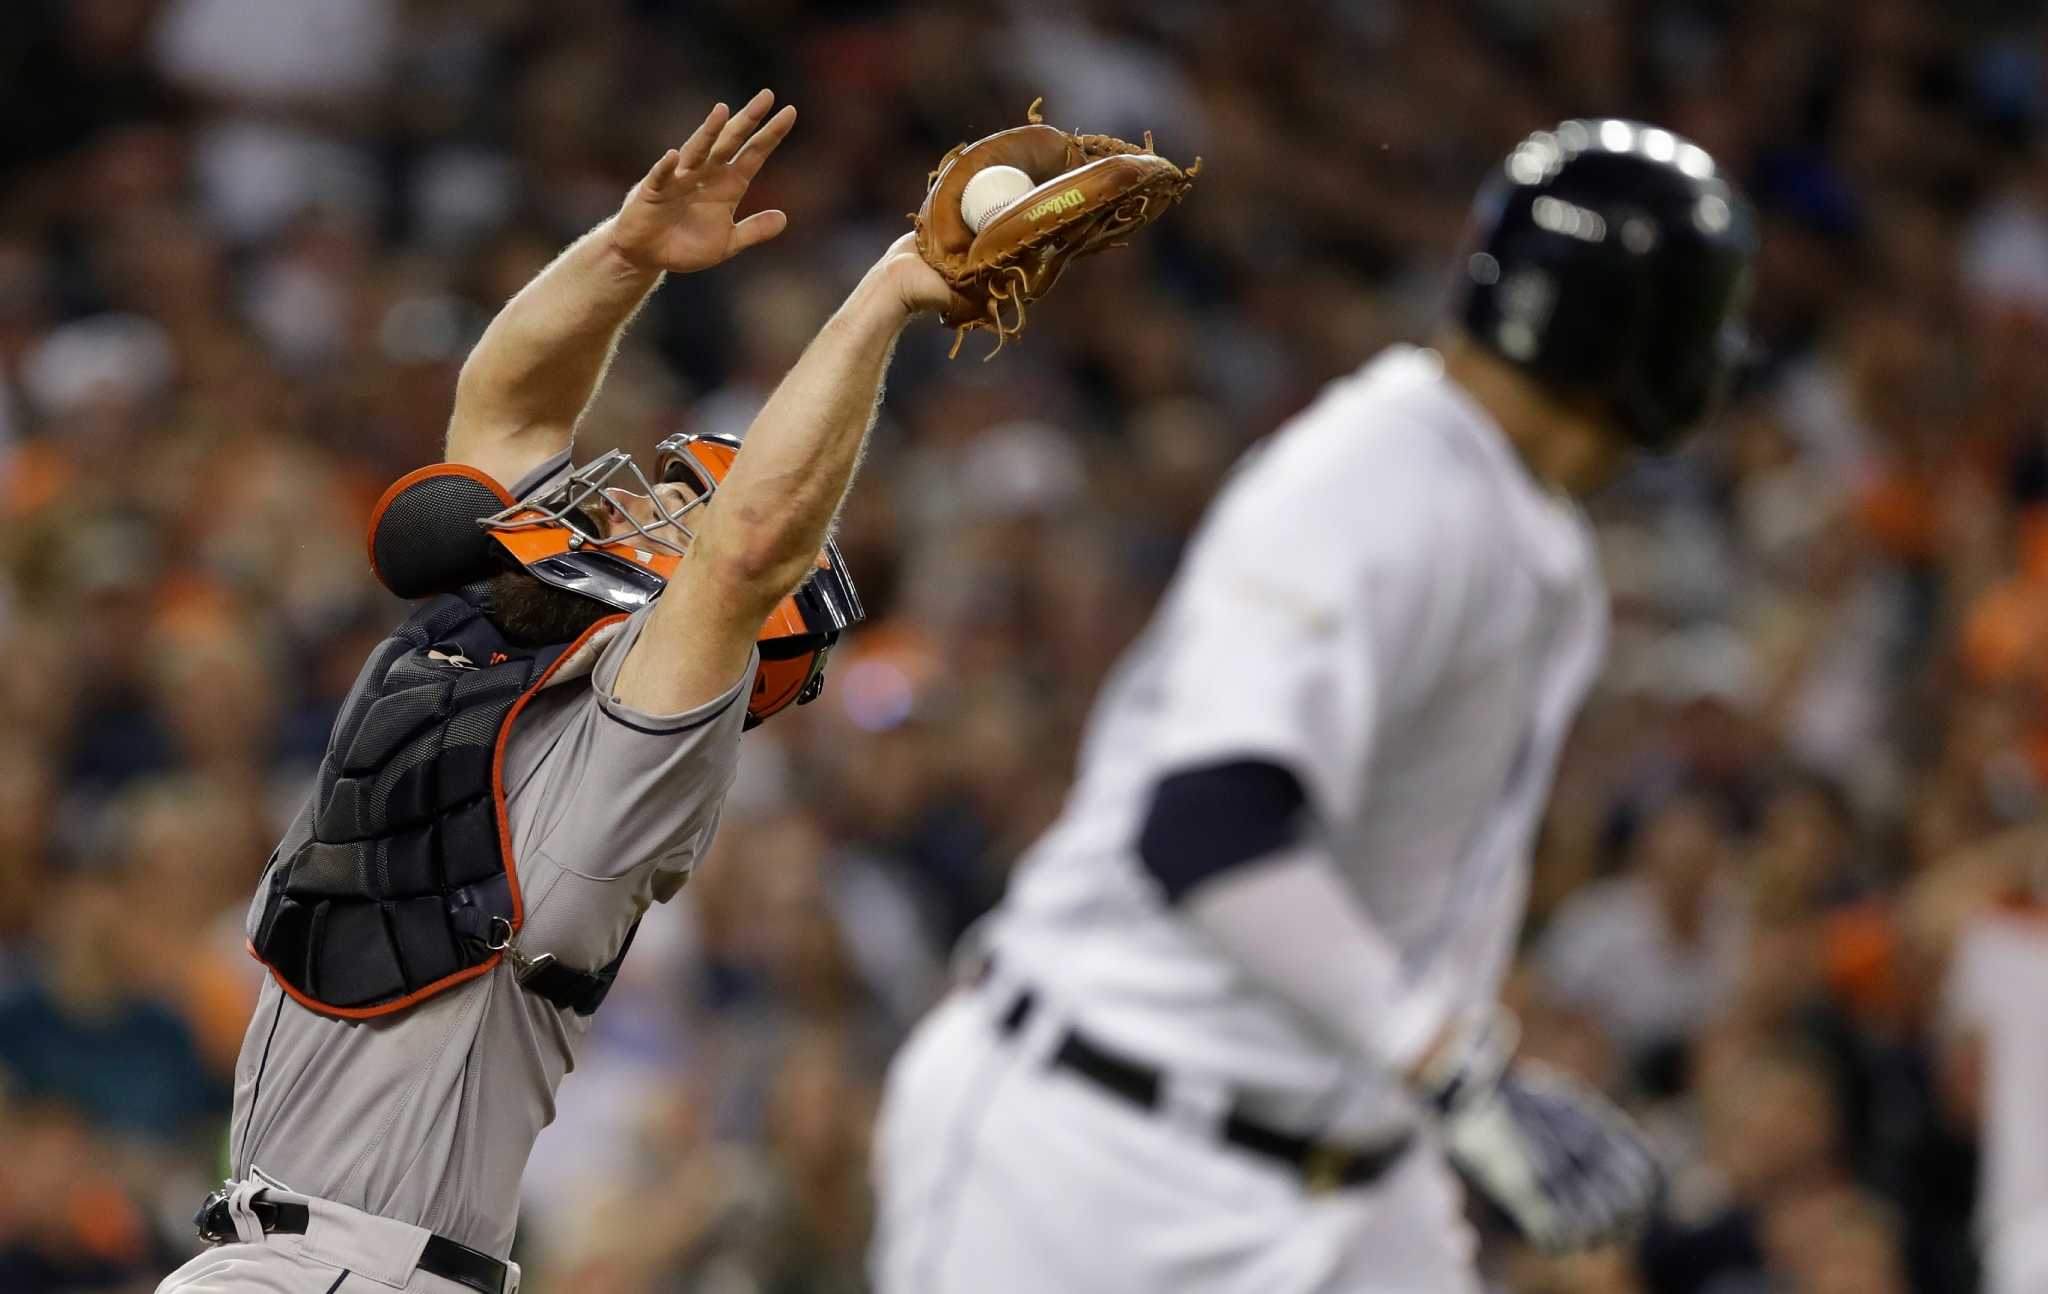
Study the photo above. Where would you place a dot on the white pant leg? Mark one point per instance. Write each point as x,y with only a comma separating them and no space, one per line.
1409,1233
250,1269
999,1175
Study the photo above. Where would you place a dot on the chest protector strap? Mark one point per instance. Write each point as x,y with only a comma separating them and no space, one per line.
397,881
573,990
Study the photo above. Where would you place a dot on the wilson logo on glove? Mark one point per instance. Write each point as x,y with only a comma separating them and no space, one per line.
1071,198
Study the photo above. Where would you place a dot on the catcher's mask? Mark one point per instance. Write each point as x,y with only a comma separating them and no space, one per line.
569,532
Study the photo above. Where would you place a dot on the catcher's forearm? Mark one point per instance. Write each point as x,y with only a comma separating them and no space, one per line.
537,366
775,507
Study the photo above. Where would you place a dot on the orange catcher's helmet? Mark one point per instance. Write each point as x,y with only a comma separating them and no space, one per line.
557,534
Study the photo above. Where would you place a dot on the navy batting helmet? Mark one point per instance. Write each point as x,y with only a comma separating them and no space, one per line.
1611,258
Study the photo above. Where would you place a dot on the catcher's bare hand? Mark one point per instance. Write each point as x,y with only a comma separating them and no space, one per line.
679,217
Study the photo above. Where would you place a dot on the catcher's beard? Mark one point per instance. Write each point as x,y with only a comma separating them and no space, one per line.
530,612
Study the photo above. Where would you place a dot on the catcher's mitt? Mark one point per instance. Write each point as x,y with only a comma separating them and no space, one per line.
1091,191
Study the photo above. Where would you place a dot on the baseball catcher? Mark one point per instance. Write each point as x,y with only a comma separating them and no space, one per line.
536,755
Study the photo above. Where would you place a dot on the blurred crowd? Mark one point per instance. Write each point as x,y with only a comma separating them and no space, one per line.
245,245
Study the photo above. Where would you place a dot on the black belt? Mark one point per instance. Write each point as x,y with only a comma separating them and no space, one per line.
442,1257
1322,1165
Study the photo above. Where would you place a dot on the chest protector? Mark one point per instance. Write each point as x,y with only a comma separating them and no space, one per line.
397,881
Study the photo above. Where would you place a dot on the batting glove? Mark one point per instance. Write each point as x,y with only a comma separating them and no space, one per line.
1567,1168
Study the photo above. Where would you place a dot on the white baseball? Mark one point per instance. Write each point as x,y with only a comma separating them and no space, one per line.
989,191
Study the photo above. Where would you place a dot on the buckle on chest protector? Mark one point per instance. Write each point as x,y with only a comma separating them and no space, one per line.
543,976
524,968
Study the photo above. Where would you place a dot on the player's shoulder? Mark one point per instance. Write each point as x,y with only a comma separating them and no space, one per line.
1382,460
1392,431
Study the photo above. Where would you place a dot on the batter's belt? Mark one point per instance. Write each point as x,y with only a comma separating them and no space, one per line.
1322,1165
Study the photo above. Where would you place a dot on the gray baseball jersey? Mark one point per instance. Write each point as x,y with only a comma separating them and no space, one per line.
428,1115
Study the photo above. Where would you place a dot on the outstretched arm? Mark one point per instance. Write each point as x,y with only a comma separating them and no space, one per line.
760,535
1564,1165
534,371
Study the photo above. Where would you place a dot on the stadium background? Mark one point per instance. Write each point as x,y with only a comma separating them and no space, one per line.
244,245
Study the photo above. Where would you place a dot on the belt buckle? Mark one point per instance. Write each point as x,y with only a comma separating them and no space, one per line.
1324,1168
199,1223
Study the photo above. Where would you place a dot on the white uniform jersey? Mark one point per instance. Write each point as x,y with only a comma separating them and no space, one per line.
1384,601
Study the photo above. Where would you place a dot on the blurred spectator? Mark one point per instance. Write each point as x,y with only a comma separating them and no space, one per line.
1772,1138
86,1030
1650,954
